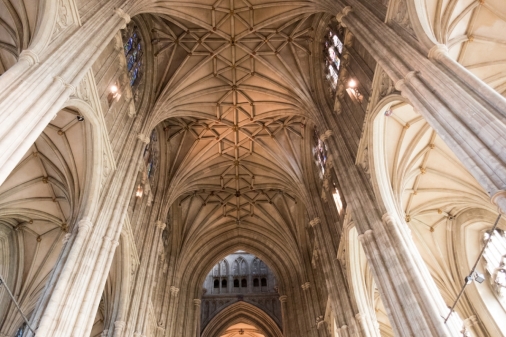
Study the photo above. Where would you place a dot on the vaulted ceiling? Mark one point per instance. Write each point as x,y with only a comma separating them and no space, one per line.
18,19
39,202
474,33
234,97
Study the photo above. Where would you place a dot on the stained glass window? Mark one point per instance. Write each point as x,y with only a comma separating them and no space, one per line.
151,155
333,49
319,151
133,53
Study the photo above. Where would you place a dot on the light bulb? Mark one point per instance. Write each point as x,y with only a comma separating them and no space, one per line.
114,89
352,83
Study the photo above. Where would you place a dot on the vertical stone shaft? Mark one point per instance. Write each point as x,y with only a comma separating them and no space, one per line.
335,280
474,129
284,318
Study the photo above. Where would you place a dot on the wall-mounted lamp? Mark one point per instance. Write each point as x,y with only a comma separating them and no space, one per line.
353,90
139,192
114,94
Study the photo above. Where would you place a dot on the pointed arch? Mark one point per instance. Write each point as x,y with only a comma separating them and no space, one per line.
242,312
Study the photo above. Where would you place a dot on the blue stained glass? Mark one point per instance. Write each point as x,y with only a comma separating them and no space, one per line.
133,54
128,46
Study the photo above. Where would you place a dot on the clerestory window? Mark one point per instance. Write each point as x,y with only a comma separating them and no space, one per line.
495,257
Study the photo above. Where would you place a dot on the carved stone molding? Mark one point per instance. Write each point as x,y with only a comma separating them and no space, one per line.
174,291
283,298
143,138
314,222
306,286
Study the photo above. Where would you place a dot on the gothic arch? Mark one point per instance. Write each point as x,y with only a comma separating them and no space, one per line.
465,29
420,182
54,186
242,312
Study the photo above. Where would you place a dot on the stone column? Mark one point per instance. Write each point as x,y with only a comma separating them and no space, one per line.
145,277
35,88
174,292
196,332
284,318
471,122
336,285
119,327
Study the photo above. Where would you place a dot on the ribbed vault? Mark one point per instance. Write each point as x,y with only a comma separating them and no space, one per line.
39,201
429,187
18,19
473,31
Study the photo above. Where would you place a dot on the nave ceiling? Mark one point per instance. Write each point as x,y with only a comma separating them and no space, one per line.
234,106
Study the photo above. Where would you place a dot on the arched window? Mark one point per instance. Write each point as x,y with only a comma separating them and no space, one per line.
495,257
224,267
151,155
216,283
236,283
244,267
333,49
236,267
319,151
256,283
244,283
263,282
20,331
255,268
133,50
224,283
263,268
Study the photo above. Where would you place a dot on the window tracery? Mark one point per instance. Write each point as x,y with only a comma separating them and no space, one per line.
495,257
319,152
151,155
333,49
132,47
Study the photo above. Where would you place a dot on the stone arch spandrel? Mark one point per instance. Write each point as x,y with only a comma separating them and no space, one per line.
241,312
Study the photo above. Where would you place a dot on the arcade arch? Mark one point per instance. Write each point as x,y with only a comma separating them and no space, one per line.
421,182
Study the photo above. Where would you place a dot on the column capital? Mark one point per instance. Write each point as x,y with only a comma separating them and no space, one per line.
29,56
437,51
342,14
173,290
119,325
470,321
143,138
499,199
122,14
160,225
283,298
314,222
84,224
197,302
306,286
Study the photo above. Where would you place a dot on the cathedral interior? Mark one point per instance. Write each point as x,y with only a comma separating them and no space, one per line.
257,168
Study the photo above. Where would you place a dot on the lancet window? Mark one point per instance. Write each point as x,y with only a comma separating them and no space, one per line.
495,257
319,151
132,47
151,155
333,49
